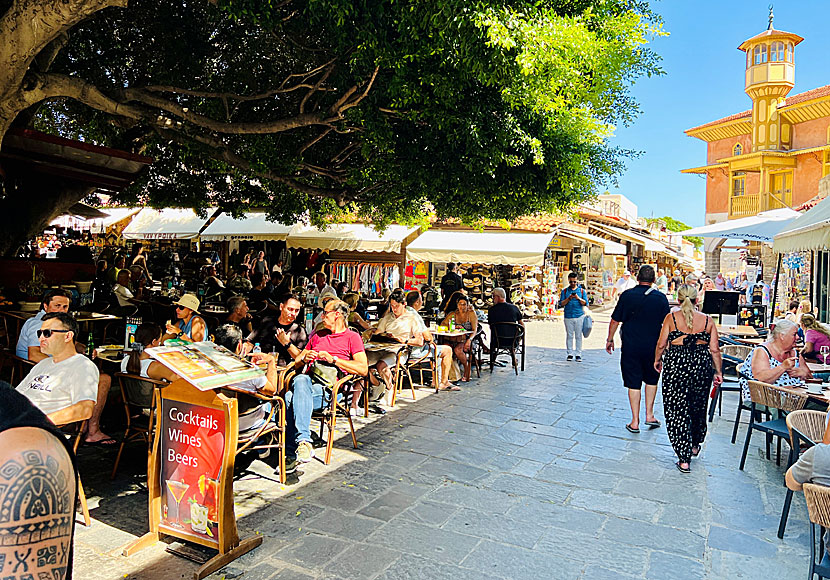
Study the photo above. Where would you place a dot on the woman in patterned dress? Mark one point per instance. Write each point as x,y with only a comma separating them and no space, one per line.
689,358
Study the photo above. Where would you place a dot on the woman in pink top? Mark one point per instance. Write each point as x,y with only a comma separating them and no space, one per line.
816,335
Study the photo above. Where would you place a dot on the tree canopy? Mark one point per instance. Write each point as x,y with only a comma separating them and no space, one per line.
385,110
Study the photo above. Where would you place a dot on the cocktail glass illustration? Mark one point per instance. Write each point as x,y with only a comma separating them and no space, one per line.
177,489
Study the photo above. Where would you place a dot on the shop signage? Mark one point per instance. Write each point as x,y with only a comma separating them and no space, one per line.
159,236
192,446
555,243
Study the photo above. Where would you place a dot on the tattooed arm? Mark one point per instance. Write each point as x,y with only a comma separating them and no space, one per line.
37,505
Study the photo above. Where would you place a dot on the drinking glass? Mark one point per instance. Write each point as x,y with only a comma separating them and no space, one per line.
177,489
824,350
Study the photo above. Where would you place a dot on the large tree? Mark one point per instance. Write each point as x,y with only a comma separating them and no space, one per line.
383,109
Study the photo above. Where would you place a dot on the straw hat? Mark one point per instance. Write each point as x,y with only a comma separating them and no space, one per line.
326,296
189,301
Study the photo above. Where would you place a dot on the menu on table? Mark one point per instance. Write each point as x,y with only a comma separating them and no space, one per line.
205,365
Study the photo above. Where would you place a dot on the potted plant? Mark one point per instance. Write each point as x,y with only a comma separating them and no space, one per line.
33,289
83,281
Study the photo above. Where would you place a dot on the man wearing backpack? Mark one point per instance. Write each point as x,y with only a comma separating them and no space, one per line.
450,283
573,299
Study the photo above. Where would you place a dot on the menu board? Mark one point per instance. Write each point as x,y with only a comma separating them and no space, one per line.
192,446
205,365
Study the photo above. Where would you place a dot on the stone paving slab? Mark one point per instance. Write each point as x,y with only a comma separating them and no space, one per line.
514,477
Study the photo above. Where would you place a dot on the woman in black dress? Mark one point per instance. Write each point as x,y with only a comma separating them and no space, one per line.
689,357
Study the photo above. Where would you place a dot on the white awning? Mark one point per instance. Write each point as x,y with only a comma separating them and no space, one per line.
252,227
480,248
610,247
355,237
761,227
165,224
650,244
809,231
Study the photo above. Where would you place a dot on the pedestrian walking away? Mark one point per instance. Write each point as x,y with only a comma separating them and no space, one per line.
641,311
689,357
573,299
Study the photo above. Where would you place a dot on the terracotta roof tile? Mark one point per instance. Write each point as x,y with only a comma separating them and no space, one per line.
789,101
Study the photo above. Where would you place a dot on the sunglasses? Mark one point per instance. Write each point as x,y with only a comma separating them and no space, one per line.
47,332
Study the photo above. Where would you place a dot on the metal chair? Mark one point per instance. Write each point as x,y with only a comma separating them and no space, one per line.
426,361
818,509
509,338
139,397
477,350
807,428
773,397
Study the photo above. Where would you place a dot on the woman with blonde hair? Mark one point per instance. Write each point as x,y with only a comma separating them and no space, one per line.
804,307
816,335
355,319
689,357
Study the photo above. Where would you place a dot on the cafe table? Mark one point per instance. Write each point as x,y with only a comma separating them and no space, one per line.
746,331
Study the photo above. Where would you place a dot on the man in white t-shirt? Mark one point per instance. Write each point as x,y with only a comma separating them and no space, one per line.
624,283
65,384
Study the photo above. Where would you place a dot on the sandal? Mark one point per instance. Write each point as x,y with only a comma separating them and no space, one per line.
695,450
631,429
682,469
450,387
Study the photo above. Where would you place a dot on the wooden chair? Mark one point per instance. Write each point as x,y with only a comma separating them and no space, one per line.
507,337
273,428
139,397
426,361
80,425
818,509
773,397
328,414
20,368
807,428
733,356
397,375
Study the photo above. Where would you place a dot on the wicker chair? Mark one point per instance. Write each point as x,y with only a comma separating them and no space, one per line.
783,399
818,508
328,415
806,428
733,355
427,361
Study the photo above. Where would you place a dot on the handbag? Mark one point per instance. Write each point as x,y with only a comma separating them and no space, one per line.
323,374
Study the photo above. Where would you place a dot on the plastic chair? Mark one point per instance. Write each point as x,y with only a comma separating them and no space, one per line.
806,427
818,509
507,337
139,397
783,399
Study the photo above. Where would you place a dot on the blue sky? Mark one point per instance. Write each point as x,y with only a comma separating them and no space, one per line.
704,81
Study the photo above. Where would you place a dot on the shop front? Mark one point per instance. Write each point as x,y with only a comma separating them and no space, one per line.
595,260
234,237
487,259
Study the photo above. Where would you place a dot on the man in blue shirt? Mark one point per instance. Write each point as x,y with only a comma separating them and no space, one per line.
573,299
28,344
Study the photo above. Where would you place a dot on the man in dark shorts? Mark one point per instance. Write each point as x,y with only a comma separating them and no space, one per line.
641,311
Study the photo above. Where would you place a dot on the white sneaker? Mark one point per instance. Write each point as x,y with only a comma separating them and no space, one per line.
305,452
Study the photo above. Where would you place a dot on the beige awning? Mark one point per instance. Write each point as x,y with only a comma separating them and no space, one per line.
479,247
650,244
354,237
609,247
809,231
252,227
165,224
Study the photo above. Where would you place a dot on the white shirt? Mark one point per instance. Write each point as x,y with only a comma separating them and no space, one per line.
402,327
622,284
52,386
123,294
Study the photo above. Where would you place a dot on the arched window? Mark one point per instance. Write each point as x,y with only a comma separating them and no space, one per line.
760,53
776,52
737,150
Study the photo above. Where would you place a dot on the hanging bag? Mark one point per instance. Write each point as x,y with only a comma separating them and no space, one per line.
587,321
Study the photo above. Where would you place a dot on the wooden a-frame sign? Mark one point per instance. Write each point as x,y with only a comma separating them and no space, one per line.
190,474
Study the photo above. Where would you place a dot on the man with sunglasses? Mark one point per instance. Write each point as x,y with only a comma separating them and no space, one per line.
335,348
64,385
29,347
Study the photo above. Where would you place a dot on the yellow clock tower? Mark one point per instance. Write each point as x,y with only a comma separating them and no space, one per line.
770,75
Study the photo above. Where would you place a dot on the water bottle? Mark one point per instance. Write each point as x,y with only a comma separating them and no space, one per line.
309,321
257,348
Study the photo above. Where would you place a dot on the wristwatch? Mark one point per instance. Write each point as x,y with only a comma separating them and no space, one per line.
180,334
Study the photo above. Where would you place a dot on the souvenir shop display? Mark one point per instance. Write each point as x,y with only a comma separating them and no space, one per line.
366,277
594,286
478,283
415,275
794,278
550,290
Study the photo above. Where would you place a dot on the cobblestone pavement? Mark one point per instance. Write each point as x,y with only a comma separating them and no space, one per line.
528,477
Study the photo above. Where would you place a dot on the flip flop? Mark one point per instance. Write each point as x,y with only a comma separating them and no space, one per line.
102,442
631,429
654,424
695,450
682,469
450,387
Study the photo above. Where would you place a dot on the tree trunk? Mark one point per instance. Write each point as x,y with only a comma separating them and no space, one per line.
31,202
